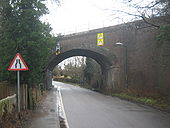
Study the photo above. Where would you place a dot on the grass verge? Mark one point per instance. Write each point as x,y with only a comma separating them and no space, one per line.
146,101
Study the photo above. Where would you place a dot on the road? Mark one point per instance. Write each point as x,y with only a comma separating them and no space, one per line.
88,109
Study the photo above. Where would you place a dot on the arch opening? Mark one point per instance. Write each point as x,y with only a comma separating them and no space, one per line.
79,70
105,63
102,60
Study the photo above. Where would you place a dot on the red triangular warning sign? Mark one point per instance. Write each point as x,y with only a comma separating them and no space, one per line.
18,64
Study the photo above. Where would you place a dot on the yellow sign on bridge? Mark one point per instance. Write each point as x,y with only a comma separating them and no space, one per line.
100,39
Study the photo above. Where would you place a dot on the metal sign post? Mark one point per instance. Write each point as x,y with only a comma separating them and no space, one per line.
18,92
18,65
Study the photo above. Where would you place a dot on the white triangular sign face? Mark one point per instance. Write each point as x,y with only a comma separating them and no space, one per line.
18,64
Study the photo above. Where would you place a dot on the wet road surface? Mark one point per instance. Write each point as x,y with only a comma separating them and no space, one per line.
88,109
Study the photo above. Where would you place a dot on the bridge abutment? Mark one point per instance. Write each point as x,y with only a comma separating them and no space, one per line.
111,81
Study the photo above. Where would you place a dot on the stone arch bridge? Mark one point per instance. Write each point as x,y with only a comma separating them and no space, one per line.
138,37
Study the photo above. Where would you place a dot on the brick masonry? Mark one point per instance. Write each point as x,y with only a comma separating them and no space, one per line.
148,64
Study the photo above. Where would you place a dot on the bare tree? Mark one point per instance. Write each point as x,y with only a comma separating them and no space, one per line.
140,9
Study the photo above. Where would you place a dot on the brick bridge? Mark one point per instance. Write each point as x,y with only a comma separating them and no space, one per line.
142,53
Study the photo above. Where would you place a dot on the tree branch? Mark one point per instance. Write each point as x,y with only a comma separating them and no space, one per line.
140,16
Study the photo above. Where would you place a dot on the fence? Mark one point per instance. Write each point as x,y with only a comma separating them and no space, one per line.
6,90
29,97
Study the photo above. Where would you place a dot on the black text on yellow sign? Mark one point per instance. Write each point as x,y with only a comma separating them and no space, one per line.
100,39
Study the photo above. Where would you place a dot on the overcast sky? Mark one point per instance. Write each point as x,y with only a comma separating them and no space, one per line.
81,15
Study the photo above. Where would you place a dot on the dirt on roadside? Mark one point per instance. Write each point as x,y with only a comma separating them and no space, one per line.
15,120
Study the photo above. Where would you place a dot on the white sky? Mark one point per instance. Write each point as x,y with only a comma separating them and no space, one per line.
81,15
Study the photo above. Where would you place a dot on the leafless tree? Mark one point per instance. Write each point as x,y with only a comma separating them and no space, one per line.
140,9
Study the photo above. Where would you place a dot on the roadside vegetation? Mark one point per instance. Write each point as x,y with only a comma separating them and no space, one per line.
22,31
158,103
86,72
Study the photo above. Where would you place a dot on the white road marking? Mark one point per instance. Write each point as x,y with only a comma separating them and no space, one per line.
61,110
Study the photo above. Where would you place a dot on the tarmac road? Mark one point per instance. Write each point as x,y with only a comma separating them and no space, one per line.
88,109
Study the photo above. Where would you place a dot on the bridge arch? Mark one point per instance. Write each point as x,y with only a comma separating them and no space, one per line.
102,60
99,54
